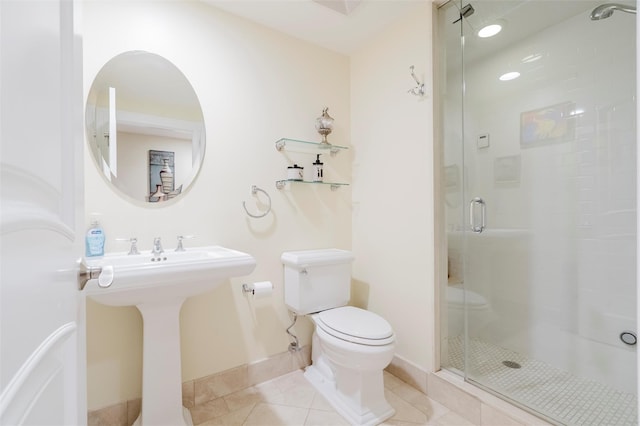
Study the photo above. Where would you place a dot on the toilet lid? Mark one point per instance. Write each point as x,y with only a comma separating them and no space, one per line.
356,325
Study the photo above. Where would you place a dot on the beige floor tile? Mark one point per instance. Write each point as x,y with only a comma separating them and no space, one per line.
420,401
321,403
234,418
391,381
209,410
492,416
452,419
290,400
293,380
325,418
301,397
276,415
405,412
249,396
392,422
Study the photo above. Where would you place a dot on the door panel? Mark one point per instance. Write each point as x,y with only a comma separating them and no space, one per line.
41,311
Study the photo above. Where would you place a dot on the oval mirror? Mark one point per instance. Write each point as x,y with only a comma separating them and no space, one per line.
145,127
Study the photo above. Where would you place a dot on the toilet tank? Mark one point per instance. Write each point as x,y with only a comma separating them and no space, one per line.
316,280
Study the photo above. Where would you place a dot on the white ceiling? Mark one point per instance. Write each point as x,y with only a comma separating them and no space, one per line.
321,24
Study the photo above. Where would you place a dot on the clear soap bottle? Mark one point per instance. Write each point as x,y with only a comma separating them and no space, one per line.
94,240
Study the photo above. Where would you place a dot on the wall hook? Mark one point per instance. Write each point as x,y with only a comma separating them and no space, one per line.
254,190
419,89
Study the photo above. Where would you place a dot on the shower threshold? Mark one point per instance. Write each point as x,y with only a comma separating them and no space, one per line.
554,393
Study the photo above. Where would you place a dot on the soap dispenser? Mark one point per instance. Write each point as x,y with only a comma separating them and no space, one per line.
317,170
94,239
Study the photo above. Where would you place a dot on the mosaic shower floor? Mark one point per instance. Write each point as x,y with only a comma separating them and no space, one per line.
560,395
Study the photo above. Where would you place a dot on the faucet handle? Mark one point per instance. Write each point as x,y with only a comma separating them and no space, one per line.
180,247
134,244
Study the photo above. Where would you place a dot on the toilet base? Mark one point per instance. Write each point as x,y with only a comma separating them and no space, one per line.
361,416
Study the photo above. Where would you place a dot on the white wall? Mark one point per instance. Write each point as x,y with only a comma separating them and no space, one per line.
255,86
393,194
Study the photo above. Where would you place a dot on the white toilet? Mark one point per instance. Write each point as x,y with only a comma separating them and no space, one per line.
350,346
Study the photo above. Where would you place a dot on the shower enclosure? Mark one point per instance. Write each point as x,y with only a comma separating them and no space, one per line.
539,187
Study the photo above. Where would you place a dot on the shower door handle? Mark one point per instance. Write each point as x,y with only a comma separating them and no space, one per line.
477,201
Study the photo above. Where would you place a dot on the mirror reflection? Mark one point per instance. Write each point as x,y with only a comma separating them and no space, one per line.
145,127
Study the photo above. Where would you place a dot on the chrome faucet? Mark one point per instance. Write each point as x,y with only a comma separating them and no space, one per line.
157,247
180,247
134,245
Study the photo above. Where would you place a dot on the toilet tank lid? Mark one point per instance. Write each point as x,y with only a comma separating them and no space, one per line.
305,258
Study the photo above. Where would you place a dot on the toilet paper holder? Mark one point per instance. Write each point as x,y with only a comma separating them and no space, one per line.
258,289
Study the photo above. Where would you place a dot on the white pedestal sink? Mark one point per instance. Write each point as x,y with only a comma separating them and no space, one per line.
157,286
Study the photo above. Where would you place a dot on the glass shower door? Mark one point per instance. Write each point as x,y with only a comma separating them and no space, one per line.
542,219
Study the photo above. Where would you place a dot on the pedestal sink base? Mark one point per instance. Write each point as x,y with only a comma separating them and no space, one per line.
157,287
161,365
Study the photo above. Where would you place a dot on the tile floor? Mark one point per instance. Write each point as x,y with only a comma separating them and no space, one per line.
290,400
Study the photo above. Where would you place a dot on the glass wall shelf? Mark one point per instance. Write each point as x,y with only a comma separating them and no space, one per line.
280,184
306,146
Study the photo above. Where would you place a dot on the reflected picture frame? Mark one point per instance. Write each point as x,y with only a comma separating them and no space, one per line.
551,124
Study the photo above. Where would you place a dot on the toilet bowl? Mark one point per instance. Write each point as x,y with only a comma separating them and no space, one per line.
350,349
478,310
350,346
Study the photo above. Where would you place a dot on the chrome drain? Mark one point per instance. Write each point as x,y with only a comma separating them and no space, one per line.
511,364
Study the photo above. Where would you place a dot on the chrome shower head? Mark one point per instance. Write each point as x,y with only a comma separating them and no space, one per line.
606,10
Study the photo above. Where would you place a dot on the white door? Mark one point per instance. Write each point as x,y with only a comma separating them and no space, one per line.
42,336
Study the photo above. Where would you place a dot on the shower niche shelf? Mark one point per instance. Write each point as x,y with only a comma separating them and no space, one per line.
307,147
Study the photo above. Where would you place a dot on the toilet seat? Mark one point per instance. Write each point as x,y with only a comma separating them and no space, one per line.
355,325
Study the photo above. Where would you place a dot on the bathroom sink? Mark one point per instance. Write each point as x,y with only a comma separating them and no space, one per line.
147,278
158,285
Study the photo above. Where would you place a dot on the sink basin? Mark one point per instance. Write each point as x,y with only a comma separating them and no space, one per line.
157,286
146,278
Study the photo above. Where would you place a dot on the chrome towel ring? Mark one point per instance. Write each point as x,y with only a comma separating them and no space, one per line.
254,190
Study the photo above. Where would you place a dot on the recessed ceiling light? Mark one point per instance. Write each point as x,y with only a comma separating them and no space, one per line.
510,76
489,30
